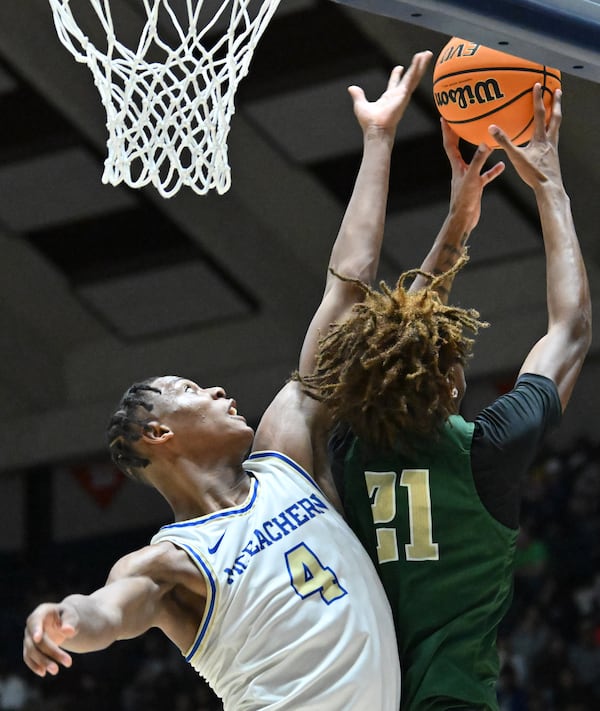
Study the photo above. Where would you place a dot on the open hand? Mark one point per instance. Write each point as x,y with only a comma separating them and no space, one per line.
48,626
468,181
537,163
385,113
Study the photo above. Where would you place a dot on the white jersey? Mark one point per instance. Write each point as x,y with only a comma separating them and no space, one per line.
295,617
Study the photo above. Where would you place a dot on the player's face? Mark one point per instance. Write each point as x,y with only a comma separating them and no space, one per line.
193,412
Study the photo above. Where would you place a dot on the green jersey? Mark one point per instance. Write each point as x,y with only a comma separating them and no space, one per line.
441,525
446,564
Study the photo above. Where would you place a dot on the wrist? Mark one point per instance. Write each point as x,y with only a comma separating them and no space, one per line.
551,190
382,134
463,219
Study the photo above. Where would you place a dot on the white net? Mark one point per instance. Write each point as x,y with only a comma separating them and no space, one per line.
169,96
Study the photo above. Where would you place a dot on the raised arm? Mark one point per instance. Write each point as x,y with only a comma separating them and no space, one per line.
466,190
295,423
356,251
559,354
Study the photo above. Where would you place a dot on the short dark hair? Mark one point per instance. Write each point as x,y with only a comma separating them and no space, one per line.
126,427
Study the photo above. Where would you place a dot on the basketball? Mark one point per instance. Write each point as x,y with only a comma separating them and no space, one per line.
475,86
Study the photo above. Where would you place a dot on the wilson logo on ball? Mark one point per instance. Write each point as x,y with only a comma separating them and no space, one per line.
475,86
482,92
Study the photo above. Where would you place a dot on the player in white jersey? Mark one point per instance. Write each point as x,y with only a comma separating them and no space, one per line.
282,567
281,609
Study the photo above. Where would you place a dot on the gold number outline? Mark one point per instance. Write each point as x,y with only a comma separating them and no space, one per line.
381,489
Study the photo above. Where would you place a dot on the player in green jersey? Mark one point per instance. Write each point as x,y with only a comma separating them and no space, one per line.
435,499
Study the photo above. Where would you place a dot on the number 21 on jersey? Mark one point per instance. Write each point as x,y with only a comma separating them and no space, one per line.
381,487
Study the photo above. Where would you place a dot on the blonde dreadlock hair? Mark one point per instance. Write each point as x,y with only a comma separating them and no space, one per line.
384,370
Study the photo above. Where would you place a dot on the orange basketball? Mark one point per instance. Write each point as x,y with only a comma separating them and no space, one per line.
475,86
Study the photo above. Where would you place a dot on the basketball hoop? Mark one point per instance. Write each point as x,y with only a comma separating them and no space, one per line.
169,96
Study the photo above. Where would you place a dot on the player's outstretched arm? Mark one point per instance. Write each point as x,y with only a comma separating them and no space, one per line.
559,354
80,623
466,190
129,604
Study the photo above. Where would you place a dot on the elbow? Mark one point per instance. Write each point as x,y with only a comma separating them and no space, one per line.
573,333
586,323
581,329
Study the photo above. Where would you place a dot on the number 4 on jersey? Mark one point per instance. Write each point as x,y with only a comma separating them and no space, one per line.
308,576
381,487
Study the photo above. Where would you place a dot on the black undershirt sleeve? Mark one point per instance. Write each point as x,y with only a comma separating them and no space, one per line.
339,443
507,437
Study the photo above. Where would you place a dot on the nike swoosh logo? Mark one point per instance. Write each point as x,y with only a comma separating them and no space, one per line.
213,549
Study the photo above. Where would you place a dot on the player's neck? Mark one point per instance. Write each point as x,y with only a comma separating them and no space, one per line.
199,491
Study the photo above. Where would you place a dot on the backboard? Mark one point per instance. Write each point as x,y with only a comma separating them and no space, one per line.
560,33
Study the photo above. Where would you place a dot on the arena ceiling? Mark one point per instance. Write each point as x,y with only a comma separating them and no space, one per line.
101,286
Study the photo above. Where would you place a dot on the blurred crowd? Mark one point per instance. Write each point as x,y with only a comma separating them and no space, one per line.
549,643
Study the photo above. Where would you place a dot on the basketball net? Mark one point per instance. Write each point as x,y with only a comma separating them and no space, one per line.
170,99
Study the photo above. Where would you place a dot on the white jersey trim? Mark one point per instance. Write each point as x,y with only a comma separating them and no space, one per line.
284,458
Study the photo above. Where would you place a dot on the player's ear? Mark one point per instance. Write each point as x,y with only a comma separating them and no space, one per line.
156,433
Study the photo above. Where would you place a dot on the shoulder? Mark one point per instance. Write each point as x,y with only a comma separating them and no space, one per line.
273,463
540,389
293,424
163,562
533,405
509,432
